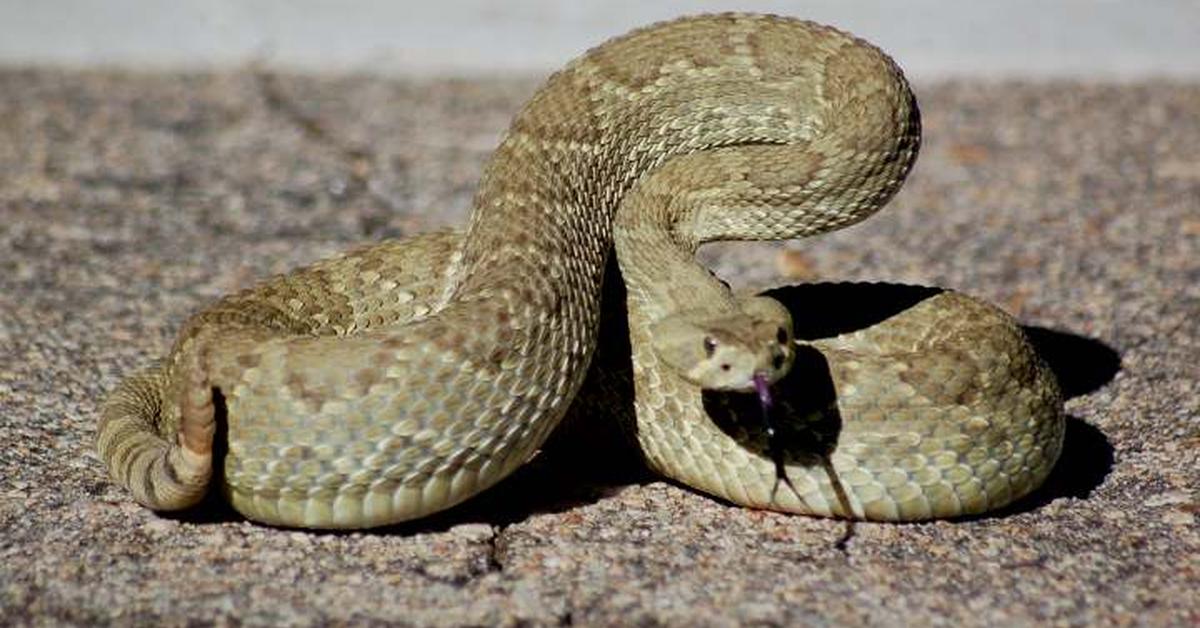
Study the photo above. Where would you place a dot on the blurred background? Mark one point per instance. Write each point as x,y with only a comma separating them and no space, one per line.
933,39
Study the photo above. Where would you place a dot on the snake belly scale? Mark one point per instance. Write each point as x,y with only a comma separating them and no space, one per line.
405,377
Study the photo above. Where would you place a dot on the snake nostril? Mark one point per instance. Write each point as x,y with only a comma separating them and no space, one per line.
778,361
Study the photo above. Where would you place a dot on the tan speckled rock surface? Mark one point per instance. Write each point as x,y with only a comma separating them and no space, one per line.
127,201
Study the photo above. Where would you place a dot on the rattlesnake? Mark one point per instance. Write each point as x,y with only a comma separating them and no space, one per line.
403,378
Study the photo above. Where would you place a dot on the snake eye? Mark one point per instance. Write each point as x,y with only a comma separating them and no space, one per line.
710,346
781,336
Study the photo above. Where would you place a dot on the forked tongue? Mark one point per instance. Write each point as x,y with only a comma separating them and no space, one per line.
763,388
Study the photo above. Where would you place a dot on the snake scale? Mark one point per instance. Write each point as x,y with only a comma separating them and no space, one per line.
405,377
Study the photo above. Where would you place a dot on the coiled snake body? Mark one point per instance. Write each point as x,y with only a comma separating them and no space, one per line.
401,379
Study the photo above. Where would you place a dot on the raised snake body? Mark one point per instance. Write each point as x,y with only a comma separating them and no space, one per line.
401,379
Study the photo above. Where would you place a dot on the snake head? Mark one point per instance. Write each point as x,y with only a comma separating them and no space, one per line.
732,349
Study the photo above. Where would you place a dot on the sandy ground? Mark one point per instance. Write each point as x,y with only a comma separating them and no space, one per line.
128,201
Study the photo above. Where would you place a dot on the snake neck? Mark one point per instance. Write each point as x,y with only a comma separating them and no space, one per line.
541,228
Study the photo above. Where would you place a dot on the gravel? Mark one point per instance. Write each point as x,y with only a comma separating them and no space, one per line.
129,200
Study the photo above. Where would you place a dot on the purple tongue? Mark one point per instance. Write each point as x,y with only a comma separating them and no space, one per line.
763,388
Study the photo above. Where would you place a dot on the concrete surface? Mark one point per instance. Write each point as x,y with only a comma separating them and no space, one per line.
936,38
127,201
